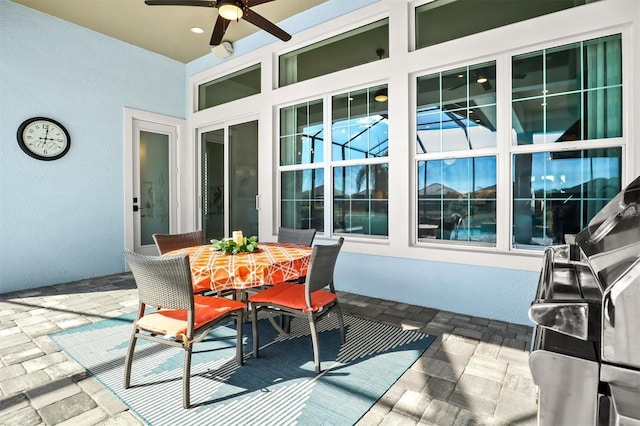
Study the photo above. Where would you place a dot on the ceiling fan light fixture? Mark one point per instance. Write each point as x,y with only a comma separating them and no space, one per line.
230,10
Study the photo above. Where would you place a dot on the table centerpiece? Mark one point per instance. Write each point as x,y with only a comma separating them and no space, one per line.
238,243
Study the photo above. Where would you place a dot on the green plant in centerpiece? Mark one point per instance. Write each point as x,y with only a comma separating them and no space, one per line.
228,246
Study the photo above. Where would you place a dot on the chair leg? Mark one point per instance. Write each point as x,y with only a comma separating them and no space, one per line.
314,341
286,323
186,378
129,358
239,325
340,322
254,328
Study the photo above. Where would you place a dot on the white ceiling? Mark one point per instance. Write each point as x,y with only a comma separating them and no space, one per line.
163,29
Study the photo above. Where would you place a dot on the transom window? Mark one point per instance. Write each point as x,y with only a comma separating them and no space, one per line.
356,47
237,85
438,21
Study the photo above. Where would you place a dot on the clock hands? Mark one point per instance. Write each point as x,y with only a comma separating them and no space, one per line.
45,142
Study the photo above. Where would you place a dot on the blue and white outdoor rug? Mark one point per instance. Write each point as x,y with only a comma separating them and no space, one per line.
279,388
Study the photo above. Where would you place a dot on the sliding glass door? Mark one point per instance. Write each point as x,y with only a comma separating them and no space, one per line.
229,180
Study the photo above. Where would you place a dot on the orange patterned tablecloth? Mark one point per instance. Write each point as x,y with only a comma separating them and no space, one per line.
272,264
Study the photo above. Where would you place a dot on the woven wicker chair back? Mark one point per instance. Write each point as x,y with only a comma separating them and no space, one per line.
296,236
162,281
169,242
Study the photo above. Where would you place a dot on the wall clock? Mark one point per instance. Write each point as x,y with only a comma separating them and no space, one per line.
43,138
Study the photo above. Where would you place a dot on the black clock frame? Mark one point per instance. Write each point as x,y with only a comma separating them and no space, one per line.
32,154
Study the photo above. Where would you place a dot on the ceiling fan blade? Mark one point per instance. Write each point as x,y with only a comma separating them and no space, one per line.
218,31
261,22
251,3
204,3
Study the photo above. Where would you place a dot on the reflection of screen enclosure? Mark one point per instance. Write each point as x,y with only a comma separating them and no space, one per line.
457,199
558,193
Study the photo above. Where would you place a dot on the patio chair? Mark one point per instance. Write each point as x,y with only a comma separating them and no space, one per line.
182,318
169,242
313,300
296,236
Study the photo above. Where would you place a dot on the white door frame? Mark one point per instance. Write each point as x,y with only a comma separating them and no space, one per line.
129,137
209,127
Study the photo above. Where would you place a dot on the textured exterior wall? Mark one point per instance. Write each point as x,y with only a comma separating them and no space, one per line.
495,293
64,220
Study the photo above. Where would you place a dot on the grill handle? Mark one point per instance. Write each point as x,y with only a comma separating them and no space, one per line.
609,310
545,284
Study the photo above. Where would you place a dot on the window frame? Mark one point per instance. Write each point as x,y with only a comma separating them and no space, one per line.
417,158
328,164
505,149
328,39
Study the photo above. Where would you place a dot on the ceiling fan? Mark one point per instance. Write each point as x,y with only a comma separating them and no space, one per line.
229,10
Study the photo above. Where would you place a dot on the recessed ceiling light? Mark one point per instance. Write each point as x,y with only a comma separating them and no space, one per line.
197,30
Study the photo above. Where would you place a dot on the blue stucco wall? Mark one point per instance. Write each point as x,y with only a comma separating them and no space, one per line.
64,220
495,293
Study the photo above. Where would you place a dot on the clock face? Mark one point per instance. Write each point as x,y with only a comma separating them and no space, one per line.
43,138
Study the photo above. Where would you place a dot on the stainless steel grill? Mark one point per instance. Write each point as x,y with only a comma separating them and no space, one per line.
585,358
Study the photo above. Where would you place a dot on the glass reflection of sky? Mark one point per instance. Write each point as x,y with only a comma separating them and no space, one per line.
463,175
363,137
311,146
562,173
345,179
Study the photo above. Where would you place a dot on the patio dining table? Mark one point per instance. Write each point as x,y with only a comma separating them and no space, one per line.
272,263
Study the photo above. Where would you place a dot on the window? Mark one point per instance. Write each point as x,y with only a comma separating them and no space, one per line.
238,85
356,47
443,20
567,95
360,146
303,199
301,160
457,199
356,163
558,193
565,142
456,152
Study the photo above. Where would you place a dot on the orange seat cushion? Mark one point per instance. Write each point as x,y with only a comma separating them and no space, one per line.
293,296
173,322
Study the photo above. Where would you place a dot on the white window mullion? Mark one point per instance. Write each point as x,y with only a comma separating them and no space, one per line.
504,168
328,167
